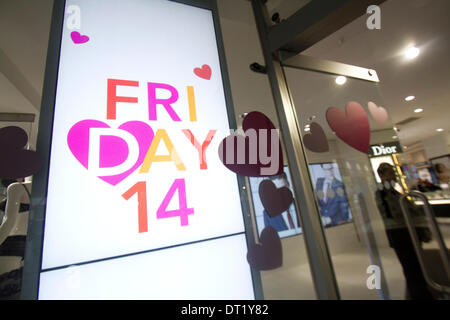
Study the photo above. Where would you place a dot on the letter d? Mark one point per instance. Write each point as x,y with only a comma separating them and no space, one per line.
94,151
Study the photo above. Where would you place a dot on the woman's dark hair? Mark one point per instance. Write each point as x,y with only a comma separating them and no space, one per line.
383,167
7,182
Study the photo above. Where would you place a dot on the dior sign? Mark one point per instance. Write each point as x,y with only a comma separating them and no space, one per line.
385,149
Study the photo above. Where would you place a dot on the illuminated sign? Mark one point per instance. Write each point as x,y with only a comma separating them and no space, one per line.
385,149
139,205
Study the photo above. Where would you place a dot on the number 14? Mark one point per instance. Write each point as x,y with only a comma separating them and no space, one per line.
140,188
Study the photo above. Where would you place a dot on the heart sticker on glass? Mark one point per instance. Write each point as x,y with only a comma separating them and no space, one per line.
256,152
379,114
351,126
316,140
268,255
275,200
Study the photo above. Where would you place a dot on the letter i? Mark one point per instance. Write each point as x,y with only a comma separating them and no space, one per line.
191,101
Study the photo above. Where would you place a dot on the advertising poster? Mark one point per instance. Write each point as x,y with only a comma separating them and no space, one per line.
286,223
139,205
330,193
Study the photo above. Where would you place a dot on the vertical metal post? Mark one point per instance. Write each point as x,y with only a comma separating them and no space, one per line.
316,245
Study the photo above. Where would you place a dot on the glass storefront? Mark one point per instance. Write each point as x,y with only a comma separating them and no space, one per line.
367,145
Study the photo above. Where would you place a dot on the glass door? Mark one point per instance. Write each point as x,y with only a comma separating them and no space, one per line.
369,144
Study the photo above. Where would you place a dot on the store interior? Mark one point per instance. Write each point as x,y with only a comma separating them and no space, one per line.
413,89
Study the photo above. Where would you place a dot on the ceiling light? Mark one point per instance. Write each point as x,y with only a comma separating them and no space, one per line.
439,130
307,129
410,98
418,110
412,53
394,137
341,80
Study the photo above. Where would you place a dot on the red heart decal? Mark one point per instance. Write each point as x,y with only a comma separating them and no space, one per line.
275,200
379,114
15,162
351,126
245,158
204,72
316,140
268,255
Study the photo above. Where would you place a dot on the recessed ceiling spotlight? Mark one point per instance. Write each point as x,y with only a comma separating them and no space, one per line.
410,98
341,80
439,130
418,110
412,53
394,137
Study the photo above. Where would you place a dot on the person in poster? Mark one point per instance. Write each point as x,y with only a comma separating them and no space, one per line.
332,199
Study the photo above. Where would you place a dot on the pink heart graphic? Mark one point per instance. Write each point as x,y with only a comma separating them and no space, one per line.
77,38
379,114
113,150
204,72
351,126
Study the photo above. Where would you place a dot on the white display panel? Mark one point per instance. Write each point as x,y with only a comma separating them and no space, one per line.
119,168
158,275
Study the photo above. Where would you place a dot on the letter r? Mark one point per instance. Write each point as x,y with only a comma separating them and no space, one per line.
167,103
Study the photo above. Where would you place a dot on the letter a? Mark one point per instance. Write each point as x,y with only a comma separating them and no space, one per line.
373,281
151,156
74,18
374,21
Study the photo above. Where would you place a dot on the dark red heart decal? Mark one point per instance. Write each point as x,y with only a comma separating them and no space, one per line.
351,126
379,114
268,255
275,200
255,154
316,140
204,72
15,162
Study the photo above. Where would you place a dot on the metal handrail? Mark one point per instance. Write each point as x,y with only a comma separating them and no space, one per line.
418,248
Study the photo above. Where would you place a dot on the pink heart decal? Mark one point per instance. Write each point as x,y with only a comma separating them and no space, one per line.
351,126
77,38
204,72
316,140
113,150
379,114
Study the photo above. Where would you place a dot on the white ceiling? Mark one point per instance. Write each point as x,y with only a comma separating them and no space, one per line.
25,24
423,23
